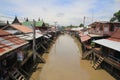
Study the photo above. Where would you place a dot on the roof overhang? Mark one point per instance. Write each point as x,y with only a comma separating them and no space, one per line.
109,43
85,38
13,48
95,35
29,36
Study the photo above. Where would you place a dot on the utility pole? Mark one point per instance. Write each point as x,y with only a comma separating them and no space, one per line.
34,51
55,28
55,23
84,21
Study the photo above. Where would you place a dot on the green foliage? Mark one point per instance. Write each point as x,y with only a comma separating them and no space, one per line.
116,16
81,25
71,26
112,19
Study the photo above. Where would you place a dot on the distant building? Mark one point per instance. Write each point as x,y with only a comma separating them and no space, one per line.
109,49
104,28
9,46
39,25
28,23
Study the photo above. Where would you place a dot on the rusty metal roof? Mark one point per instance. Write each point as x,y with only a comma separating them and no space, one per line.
9,42
21,28
29,36
4,33
85,38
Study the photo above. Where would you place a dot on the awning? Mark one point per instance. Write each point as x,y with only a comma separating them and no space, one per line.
29,36
85,38
109,43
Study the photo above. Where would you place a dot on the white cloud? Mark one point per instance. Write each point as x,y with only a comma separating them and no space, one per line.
64,15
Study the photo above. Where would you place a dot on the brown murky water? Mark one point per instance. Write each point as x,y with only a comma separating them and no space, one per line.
64,63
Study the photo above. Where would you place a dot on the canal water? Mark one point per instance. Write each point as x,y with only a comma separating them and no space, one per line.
64,63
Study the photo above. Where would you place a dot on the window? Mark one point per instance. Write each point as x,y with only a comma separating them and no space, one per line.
111,27
101,28
106,29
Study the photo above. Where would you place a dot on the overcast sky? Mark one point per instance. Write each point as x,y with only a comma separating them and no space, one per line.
65,12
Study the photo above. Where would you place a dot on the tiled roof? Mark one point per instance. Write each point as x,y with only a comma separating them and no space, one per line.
39,23
28,24
9,42
21,28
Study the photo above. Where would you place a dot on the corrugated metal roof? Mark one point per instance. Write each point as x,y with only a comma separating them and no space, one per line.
85,38
12,31
76,29
95,35
28,24
29,36
109,43
81,34
10,42
21,28
4,33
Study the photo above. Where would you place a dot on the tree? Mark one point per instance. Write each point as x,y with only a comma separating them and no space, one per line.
116,17
81,25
